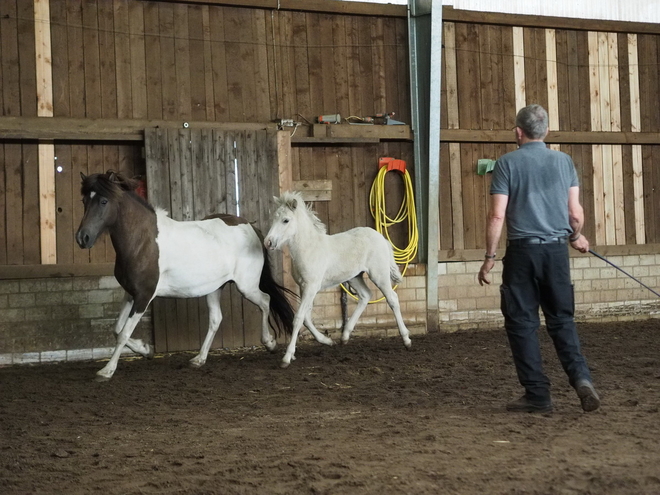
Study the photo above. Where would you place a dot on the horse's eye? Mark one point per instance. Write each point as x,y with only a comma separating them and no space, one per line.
286,220
104,202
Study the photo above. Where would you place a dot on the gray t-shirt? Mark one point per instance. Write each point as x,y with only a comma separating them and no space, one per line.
537,180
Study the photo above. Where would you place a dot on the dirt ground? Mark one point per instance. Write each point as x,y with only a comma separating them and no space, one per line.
367,418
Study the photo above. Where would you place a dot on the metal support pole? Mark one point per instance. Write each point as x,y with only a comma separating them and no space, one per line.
425,28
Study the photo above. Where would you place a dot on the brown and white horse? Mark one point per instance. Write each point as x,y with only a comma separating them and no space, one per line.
159,256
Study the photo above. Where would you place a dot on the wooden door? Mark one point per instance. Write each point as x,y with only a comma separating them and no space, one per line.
193,173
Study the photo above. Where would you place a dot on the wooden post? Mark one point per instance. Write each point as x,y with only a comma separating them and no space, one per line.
44,75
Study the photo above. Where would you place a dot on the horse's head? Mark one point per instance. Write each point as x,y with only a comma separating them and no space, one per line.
283,226
101,194
291,212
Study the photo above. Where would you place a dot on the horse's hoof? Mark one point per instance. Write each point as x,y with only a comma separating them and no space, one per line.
284,365
102,378
408,344
272,348
344,342
195,364
150,353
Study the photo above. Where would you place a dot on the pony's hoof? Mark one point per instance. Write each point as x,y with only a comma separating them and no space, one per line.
195,364
271,348
151,352
408,344
102,378
284,365
344,342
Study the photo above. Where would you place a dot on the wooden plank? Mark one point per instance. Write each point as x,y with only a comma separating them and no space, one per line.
122,49
182,63
43,55
633,71
65,196
246,52
107,61
138,69
519,67
153,61
199,75
635,126
486,90
380,69
261,68
219,65
552,77
91,60
13,203
617,153
453,121
166,33
10,90
26,58
46,152
208,63
60,59
638,181
455,168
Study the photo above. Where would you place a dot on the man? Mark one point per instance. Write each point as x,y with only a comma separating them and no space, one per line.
536,190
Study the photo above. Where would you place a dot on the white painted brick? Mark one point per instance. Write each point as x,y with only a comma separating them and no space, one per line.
26,357
53,356
455,268
79,354
6,359
442,268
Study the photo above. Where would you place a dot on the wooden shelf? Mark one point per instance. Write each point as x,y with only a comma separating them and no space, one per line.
351,134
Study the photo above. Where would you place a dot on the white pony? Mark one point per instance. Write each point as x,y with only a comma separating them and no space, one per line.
321,261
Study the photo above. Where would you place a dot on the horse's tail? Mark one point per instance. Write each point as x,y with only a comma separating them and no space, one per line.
280,308
395,274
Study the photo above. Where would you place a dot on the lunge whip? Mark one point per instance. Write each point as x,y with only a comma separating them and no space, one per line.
622,271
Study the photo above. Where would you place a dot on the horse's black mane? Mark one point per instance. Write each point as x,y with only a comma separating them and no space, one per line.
111,185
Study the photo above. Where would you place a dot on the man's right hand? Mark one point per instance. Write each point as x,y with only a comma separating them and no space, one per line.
581,244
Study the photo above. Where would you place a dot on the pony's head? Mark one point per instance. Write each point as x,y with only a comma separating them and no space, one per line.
101,194
290,212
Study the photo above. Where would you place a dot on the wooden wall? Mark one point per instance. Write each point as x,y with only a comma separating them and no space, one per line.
600,89
151,60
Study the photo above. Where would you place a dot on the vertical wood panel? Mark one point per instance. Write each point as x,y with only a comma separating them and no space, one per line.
519,67
138,62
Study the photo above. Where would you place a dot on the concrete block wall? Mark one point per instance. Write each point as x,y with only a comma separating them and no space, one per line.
602,293
60,319
48,320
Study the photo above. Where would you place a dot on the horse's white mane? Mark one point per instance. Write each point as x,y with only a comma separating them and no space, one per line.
294,199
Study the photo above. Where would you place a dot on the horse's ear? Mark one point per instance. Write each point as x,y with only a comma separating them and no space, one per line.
292,204
112,176
82,176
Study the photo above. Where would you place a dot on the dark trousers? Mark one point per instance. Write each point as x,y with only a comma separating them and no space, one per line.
539,275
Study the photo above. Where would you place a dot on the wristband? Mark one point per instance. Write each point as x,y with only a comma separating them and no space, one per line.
573,239
490,256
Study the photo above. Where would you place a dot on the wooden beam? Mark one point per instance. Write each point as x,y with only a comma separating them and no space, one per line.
18,272
448,255
78,129
559,137
324,6
549,22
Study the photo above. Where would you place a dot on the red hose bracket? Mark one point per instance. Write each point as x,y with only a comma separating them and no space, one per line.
392,164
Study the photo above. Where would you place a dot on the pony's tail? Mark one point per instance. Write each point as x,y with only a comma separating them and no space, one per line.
280,308
395,274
